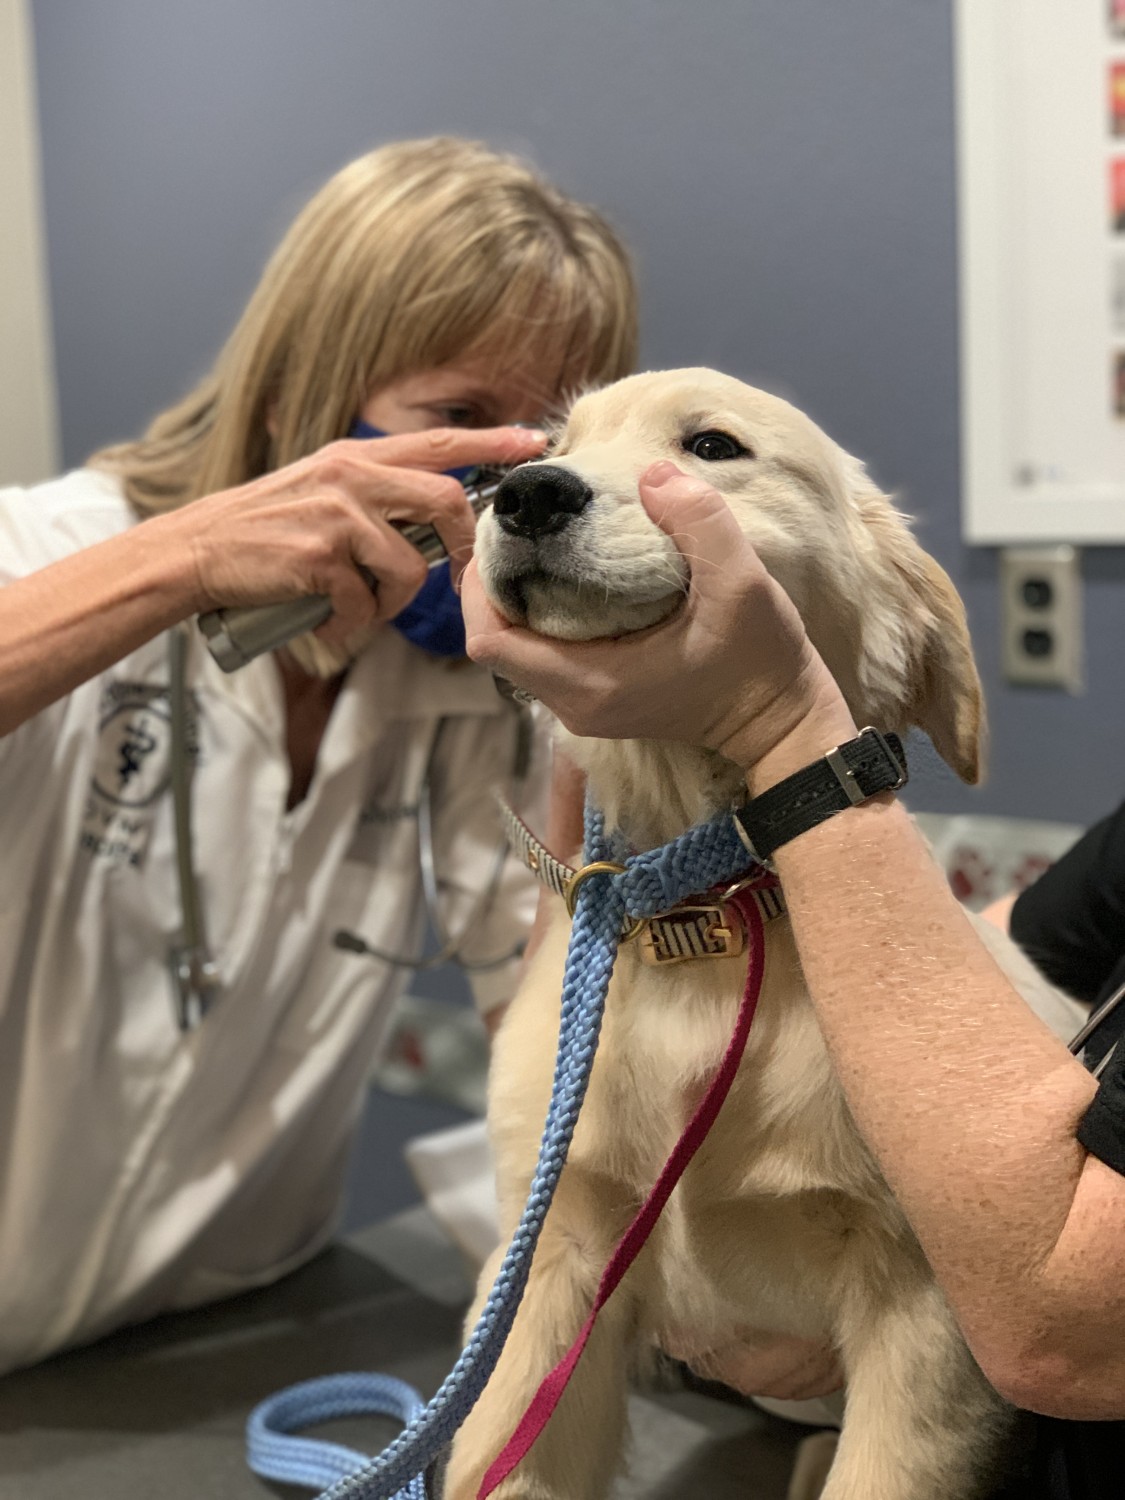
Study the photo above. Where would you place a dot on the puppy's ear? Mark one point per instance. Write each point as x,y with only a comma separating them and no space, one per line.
948,702
940,688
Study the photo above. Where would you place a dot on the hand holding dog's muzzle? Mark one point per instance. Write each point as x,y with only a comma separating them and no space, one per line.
732,669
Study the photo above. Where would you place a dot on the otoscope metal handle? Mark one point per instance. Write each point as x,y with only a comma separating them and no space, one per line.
237,635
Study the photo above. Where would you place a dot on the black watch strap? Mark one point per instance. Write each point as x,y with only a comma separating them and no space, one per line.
847,775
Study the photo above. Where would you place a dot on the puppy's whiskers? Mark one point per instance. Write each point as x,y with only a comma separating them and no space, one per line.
676,584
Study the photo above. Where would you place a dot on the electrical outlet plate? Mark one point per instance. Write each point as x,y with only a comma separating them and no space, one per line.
1041,616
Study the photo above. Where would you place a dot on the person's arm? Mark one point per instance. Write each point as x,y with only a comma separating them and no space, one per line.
300,530
970,1104
65,623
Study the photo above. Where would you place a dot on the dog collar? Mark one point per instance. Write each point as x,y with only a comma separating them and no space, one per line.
703,926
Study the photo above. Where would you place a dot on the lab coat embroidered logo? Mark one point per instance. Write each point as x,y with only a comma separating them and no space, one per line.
132,770
138,743
134,751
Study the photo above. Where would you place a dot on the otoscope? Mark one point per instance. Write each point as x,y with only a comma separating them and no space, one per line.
236,636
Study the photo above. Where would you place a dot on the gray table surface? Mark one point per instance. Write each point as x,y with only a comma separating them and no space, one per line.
158,1411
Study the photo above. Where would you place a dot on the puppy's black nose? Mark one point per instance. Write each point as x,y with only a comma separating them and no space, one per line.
536,499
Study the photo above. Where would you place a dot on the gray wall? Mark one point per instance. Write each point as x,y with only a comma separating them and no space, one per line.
783,168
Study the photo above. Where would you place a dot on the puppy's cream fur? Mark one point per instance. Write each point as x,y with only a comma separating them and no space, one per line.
783,1220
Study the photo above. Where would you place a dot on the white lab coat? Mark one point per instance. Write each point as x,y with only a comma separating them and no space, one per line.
142,1168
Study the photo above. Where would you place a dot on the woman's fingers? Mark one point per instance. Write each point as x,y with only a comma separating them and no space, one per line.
294,530
440,448
375,582
532,661
414,496
686,508
699,521
482,618
400,477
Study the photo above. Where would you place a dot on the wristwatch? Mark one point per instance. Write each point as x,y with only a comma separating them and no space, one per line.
849,774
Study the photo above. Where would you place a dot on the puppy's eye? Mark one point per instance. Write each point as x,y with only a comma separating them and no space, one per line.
714,447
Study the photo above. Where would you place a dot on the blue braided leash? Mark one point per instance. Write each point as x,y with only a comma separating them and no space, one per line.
607,904
274,1453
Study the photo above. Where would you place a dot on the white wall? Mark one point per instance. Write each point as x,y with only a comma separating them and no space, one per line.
28,412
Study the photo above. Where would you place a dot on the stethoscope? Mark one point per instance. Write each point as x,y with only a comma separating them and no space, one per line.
451,947
195,975
1099,1017
196,983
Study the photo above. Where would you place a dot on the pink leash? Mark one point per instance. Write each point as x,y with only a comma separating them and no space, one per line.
546,1398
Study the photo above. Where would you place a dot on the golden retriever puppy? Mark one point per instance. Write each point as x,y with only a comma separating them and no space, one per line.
782,1221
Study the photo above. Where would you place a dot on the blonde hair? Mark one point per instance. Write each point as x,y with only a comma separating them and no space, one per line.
410,257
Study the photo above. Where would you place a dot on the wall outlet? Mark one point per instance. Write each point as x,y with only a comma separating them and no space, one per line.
1041,616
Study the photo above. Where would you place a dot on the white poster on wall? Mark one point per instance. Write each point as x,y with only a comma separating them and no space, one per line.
1041,167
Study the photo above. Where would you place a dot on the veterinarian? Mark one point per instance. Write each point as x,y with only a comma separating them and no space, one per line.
1008,1157
175,1132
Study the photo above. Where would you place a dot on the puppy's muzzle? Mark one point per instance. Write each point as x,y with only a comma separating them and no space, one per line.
539,499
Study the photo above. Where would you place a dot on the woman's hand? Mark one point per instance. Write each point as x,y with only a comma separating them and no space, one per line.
732,669
305,529
308,528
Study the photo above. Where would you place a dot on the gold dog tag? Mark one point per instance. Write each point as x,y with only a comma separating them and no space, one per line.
692,932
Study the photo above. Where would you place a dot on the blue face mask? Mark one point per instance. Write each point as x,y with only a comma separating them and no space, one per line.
433,618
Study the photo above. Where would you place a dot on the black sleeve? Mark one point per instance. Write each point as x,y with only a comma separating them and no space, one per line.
1102,1128
1071,922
